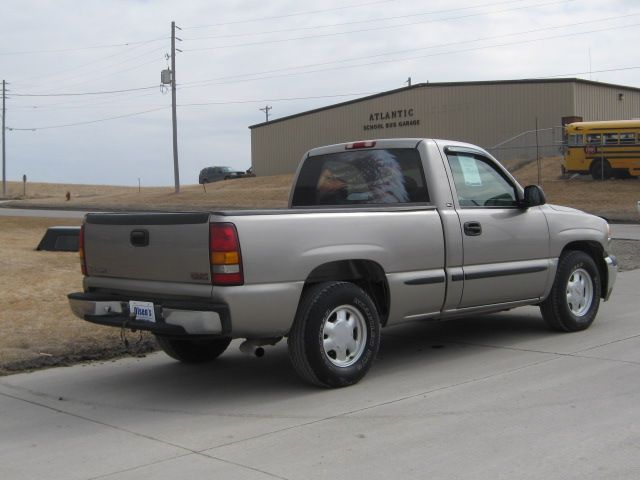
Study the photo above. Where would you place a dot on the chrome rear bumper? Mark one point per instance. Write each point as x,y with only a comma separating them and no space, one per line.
174,318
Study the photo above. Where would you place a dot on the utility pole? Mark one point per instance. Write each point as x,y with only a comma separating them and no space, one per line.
4,152
266,111
176,170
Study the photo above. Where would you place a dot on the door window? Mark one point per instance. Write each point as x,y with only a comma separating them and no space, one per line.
479,184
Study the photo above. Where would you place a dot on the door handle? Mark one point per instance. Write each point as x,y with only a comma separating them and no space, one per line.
472,229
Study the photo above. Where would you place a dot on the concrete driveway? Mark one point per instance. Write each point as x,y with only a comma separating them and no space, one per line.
491,397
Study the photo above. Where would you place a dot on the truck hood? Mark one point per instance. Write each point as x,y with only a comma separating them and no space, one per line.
561,208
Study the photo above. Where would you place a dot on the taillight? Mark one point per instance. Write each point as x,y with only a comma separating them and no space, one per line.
224,251
356,145
83,261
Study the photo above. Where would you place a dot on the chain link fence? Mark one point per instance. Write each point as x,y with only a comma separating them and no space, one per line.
528,146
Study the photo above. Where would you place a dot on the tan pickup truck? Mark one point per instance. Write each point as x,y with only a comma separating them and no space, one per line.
377,233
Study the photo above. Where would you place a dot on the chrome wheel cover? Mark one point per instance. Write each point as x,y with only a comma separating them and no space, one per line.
344,334
579,292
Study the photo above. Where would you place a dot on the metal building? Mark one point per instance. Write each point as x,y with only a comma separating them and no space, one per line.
500,116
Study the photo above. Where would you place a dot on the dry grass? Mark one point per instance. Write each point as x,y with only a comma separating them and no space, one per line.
37,326
615,199
254,192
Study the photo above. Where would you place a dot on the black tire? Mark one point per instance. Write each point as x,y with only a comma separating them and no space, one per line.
343,305
600,169
562,310
193,351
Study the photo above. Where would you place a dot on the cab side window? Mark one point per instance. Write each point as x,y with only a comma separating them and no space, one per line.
479,184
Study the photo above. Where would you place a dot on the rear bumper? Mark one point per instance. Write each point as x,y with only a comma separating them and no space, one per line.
612,274
173,318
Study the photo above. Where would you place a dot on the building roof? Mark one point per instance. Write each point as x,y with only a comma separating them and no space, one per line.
449,84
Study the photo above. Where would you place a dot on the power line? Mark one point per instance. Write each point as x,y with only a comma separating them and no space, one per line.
233,102
593,71
310,12
80,102
462,42
110,73
356,22
211,81
78,49
47,127
106,92
377,28
198,104
50,75
236,102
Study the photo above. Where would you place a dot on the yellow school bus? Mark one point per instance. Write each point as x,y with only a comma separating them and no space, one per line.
603,149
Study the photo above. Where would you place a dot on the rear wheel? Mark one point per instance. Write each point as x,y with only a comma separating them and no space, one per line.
601,169
193,350
335,336
573,302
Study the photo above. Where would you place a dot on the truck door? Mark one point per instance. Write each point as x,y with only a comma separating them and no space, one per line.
506,247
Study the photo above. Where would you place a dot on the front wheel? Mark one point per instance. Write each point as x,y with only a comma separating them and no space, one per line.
573,302
335,336
193,350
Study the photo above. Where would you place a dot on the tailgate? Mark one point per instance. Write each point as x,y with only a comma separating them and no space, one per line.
170,247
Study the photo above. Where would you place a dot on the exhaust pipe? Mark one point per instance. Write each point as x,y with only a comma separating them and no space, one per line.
253,346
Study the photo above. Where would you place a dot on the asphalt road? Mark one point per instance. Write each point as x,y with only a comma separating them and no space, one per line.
491,397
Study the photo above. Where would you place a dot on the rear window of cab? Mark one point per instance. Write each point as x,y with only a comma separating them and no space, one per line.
361,177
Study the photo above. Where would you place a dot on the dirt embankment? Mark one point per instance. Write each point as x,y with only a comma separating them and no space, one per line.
614,199
252,192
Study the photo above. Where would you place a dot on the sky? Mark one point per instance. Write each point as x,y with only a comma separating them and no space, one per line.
84,102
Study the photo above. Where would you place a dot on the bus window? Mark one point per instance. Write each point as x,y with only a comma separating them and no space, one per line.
627,138
575,140
594,138
611,138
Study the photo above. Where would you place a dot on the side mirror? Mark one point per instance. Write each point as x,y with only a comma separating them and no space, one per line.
533,196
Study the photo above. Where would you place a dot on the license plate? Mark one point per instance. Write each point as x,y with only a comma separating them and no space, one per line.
142,311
